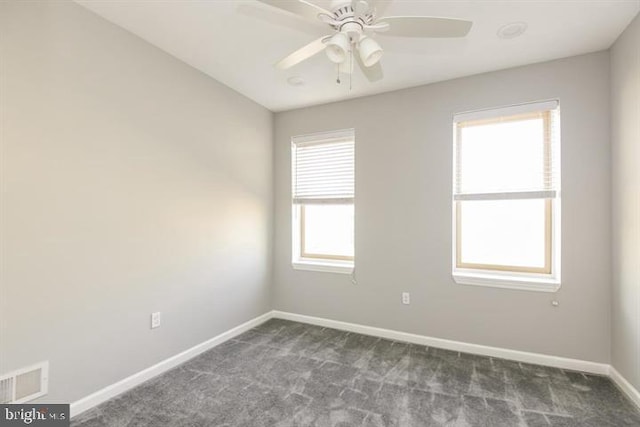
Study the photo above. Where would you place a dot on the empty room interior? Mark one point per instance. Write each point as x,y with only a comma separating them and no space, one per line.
320,213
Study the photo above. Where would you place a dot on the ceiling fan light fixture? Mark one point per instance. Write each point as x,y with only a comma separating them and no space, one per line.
338,48
370,51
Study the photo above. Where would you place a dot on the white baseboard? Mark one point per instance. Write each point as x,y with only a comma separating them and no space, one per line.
132,381
520,356
628,389
138,378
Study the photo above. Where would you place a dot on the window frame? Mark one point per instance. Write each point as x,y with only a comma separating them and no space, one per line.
546,278
548,247
300,258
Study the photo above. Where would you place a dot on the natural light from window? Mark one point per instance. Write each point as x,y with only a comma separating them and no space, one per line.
506,196
502,156
323,200
494,231
328,230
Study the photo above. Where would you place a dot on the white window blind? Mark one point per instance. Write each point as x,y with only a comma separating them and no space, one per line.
507,153
323,168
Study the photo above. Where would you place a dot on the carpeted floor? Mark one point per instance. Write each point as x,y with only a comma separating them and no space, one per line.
285,373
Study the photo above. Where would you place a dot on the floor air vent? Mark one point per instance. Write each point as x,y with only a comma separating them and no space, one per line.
24,384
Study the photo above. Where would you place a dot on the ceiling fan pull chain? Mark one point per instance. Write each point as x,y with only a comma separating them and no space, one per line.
351,69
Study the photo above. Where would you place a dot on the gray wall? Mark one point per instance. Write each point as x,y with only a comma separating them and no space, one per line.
403,215
625,126
131,183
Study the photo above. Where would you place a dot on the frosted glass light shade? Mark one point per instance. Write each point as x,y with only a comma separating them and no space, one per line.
338,48
370,51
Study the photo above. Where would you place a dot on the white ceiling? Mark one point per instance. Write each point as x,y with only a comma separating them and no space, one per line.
238,41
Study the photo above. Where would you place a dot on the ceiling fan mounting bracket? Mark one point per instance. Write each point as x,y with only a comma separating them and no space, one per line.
345,13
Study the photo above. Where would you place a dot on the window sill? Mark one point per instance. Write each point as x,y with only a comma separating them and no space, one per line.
327,267
520,283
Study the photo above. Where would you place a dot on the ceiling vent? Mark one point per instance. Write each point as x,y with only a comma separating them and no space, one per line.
24,384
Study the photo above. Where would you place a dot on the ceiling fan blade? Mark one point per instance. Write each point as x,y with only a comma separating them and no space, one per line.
302,54
379,6
277,17
360,8
373,73
368,7
298,7
425,26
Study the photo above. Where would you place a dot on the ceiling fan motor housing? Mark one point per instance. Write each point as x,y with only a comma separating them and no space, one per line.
345,17
353,30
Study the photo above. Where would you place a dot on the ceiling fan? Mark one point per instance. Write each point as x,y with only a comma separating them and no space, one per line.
352,24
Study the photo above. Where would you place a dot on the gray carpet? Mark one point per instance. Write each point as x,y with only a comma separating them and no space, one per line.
285,373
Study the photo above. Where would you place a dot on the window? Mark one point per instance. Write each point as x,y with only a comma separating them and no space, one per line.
506,197
323,201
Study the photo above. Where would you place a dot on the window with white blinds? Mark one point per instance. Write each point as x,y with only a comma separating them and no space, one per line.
323,168
506,191
323,190
523,143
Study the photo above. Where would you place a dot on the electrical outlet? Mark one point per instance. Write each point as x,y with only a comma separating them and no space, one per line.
155,320
406,298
